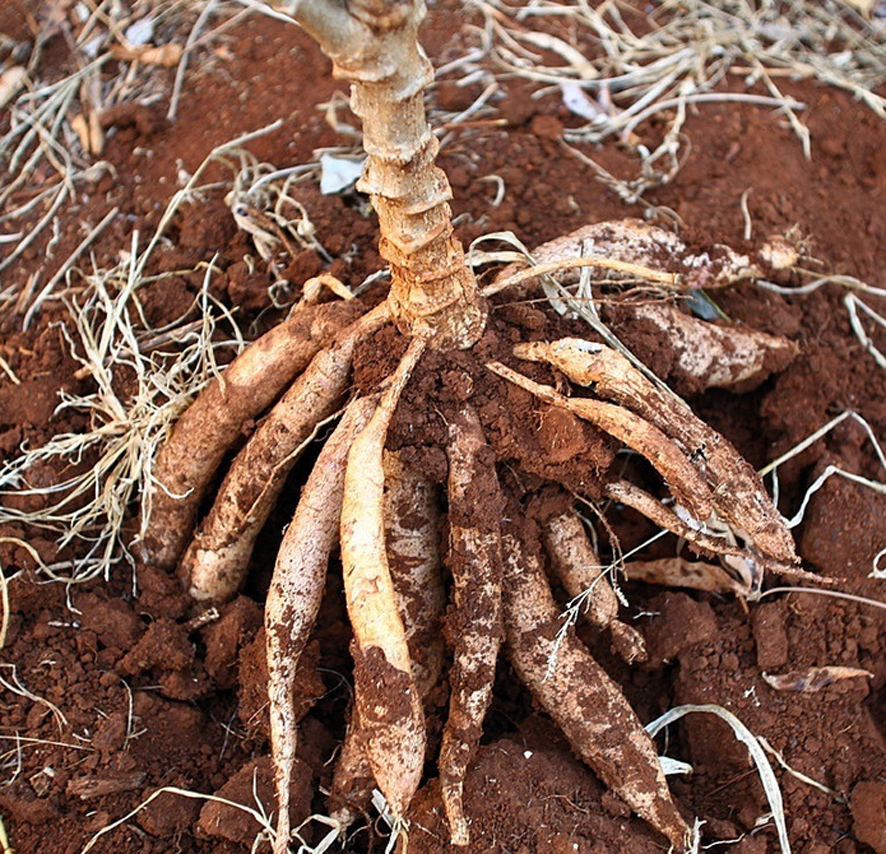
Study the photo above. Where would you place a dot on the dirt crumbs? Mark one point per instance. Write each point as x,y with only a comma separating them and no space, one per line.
123,707
529,794
869,814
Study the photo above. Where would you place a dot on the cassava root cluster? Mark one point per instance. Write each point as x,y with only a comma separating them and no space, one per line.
384,518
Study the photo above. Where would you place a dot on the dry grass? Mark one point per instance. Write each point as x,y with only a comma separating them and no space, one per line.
756,750
877,486
53,134
858,310
142,379
258,813
618,69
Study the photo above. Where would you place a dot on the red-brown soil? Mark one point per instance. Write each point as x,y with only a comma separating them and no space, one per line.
148,703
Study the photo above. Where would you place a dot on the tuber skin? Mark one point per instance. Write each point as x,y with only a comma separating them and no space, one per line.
577,566
589,708
475,626
295,594
217,418
387,701
214,565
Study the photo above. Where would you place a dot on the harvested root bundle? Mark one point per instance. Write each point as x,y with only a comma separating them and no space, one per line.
359,495
714,517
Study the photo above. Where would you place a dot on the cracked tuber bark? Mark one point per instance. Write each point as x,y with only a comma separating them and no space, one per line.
374,45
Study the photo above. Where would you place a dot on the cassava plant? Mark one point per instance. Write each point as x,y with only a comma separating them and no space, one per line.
505,522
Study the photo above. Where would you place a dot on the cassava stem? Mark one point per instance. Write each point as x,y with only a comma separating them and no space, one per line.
386,698
217,417
215,563
374,44
475,507
295,594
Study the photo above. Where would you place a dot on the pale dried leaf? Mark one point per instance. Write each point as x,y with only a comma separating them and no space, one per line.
140,32
11,80
814,679
577,101
338,174
679,572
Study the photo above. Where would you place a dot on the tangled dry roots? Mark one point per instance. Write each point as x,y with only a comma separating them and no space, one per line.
386,518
